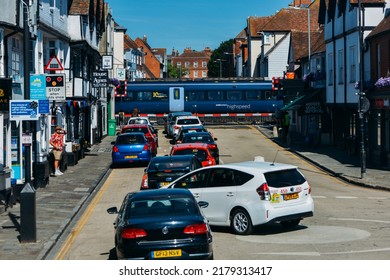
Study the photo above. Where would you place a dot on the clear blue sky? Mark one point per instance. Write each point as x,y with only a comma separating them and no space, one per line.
196,24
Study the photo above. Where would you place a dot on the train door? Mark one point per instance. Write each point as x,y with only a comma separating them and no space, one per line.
176,99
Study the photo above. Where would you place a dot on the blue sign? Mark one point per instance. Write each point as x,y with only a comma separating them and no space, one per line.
38,87
23,110
44,106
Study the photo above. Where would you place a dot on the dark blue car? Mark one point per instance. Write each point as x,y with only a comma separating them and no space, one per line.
162,224
132,147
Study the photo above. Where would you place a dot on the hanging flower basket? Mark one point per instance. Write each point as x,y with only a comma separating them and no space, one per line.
383,82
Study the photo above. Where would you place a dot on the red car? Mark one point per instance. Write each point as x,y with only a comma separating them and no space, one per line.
149,132
200,150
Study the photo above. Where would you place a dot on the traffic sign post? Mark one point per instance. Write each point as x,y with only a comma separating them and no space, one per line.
55,87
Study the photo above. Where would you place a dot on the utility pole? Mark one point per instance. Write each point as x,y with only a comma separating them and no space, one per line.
361,95
26,62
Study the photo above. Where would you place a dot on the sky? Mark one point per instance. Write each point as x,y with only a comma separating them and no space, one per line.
195,24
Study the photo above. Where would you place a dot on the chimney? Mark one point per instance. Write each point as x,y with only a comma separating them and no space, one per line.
298,3
145,39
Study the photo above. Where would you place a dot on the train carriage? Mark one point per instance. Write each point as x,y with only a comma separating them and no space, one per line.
202,97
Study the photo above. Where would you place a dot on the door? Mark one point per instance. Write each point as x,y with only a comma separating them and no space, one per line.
176,99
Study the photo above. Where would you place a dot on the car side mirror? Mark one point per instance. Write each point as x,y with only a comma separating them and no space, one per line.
112,210
215,139
203,204
113,143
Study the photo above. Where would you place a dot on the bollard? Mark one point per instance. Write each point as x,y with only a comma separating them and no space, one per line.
28,227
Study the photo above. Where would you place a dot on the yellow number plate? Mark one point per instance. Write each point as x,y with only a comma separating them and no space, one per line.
130,156
291,196
166,254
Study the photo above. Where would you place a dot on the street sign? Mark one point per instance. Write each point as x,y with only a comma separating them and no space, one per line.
100,79
120,74
54,64
55,87
38,87
44,107
25,110
107,62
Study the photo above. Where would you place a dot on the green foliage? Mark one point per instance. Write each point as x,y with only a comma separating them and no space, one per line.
176,72
222,57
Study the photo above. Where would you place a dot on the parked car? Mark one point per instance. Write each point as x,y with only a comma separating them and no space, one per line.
203,137
169,121
161,224
247,194
150,133
185,121
200,150
184,130
163,170
130,148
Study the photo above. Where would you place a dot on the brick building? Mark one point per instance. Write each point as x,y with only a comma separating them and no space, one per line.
194,63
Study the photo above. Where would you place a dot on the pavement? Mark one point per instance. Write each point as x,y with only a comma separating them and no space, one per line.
65,196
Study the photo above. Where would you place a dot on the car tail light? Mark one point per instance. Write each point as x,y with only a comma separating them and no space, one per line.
212,146
146,147
115,149
263,192
132,233
144,182
196,229
309,188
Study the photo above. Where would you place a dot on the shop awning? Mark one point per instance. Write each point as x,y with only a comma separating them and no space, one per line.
311,103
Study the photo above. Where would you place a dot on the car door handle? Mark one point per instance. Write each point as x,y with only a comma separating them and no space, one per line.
230,194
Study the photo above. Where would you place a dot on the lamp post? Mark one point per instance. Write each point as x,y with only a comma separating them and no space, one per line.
361,95
220,66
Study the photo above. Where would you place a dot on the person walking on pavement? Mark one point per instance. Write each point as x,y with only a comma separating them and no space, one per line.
57,141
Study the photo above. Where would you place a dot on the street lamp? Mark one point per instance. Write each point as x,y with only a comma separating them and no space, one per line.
220,65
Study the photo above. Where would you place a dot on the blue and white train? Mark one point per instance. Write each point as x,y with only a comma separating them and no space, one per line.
203,96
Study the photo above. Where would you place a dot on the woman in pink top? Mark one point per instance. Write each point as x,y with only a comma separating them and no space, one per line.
57,141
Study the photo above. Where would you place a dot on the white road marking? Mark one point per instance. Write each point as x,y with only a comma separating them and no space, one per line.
360,220
346,197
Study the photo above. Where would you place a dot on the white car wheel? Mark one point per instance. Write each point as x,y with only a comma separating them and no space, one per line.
241,222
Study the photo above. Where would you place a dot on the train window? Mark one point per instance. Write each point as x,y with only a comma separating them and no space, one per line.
215,95
234,95
176,94
129,96
267,95
195,95
253,95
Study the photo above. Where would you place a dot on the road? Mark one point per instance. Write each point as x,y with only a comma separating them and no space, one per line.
349,222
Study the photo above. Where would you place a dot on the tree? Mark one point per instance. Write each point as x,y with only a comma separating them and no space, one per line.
176,72
222,57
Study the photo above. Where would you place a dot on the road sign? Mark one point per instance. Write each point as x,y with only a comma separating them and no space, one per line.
120,74
25,110
100,79
55,87
38,87
54,64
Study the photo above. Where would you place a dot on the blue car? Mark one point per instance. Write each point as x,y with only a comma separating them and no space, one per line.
132,147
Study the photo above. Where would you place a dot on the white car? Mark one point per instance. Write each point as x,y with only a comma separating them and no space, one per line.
185,121
139,120
247,194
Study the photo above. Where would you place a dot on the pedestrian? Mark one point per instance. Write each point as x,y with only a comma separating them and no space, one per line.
135,113
57,141
121,117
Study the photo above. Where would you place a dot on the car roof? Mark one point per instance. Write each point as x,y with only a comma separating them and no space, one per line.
135,125
187,117
160,192
131,133
262,166
172,158
181,146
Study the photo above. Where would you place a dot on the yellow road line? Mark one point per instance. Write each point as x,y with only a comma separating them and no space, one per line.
81,223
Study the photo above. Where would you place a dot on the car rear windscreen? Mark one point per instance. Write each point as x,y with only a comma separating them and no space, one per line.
283,178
